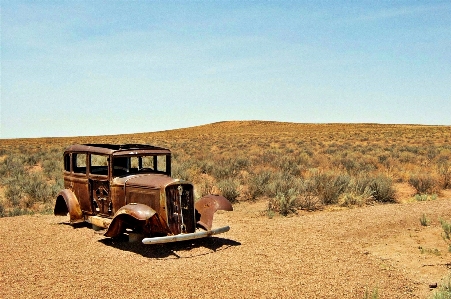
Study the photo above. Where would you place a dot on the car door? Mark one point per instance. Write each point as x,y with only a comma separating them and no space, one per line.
76,179
100,184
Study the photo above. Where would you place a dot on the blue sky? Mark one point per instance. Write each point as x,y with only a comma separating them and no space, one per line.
76,68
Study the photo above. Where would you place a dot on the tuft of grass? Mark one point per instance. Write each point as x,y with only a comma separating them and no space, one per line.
434,251
374,294
444,290
424,220
425,197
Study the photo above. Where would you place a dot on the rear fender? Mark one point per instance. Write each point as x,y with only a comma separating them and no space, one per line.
138,217
207,206
67,202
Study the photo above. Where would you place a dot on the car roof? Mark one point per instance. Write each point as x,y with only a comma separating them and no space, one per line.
117,149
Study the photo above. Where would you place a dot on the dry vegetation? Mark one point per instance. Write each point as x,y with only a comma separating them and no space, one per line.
292,166
288,169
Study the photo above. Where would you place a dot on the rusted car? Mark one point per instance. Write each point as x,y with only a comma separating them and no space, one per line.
129,189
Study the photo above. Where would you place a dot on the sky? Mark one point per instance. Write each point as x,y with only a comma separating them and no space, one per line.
83,68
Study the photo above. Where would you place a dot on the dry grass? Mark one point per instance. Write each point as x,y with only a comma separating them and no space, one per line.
338,164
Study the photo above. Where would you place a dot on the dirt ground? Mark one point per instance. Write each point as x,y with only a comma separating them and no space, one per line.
326,254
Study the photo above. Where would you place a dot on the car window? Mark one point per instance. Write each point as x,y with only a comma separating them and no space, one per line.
79,162
161,163
138,164
99,164
67,162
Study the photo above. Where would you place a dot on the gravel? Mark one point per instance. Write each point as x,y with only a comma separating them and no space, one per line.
327,254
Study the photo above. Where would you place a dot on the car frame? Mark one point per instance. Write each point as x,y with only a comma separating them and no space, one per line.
128,188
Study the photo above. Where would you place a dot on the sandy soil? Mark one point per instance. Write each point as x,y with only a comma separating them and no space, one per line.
326,254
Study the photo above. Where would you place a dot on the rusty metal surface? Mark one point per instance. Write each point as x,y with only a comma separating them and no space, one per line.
129,216
185,237
66,202
113,149
208,205
147,200
150,180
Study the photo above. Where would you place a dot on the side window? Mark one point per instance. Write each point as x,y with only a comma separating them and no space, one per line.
161,163
147,162
67,162
99,165
79,163
121,165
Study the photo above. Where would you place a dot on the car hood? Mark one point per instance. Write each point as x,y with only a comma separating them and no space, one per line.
151,180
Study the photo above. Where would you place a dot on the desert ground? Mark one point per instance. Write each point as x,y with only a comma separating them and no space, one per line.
339,253
344,249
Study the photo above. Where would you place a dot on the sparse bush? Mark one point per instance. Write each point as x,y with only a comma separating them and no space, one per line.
446,226
229,189
328,186
423,183
382,189
258,184
282,183
353,199
444,172
284,203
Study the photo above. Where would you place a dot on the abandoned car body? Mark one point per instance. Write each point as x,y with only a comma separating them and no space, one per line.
129,188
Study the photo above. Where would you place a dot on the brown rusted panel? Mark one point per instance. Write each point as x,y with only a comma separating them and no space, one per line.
208,205
117,197
132,216
151,180
114,149
66,202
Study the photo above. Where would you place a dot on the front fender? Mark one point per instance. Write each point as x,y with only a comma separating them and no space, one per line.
138,217
207,206
67,202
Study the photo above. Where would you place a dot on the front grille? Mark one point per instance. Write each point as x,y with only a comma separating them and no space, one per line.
180,208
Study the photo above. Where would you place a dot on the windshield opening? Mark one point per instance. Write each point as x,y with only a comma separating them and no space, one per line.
138,164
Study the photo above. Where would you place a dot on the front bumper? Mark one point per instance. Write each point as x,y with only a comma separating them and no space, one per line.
184,237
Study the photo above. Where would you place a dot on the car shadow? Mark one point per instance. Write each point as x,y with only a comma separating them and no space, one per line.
176,250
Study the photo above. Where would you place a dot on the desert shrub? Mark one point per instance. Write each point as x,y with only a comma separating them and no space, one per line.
37,189
444,172
282,183
423,183
356,199
284,203
11,167
328,186
2,208
229,189
204,185
382,189
180,170
446,226
14,194
258,184
308,196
